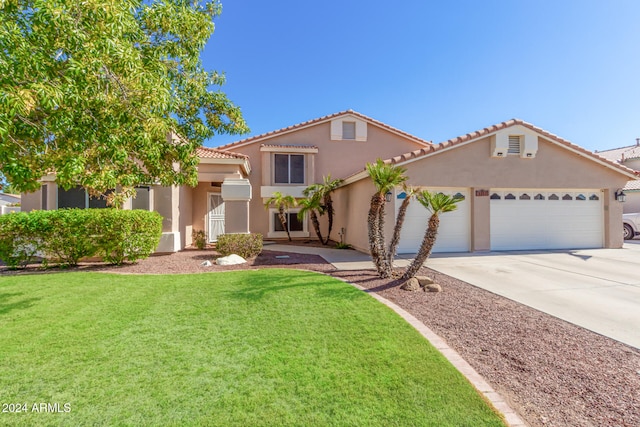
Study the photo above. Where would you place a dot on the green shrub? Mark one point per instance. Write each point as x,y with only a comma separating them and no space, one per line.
199,239
245,245
65,236
69,235
127,235
20,238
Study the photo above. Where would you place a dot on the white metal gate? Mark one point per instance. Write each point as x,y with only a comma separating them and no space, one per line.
216,216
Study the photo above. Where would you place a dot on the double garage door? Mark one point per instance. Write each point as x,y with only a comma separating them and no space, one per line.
536,219
520,219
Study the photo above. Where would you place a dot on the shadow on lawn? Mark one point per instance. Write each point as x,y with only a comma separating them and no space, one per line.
6,306
275,282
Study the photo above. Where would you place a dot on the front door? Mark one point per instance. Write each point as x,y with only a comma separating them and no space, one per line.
216,216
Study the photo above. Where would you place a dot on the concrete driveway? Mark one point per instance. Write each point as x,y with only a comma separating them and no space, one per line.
598,289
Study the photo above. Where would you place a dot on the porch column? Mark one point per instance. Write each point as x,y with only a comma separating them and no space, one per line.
236,193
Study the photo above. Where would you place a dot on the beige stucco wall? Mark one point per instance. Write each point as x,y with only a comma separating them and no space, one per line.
471,166
632,205
338,158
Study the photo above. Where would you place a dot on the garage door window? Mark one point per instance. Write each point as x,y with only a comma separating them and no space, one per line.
554,197
594,197
580,197
495,196
509,197
525,196
567,197
539,197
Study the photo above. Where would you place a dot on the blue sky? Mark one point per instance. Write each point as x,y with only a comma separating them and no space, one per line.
435,69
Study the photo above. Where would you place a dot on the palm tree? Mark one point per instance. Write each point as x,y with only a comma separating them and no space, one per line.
324,191
283,203
409,192
312,205
437,204
385,177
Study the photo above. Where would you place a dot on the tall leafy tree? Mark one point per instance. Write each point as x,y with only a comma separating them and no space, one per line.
323,191
282,203
89,90
437,204
385,177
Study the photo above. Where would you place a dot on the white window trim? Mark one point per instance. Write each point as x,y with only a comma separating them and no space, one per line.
283,234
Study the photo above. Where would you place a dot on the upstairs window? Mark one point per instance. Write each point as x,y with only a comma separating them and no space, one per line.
289,169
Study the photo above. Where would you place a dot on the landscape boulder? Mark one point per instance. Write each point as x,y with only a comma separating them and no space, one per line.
411,285
232,259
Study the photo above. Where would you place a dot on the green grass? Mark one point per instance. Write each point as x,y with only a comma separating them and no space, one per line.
250,348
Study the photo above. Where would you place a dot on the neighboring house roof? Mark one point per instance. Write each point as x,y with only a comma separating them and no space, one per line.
482,133
9,198
213,155
621,154
633,185
324,119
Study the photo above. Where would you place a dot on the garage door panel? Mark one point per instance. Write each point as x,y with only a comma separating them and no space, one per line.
454,233
562,219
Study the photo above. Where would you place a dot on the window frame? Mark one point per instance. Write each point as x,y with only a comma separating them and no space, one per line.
289,164
272,233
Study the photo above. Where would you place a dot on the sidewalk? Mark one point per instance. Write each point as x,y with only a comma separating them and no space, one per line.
342,259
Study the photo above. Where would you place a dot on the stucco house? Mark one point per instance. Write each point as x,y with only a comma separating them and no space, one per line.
628,156
8,203
524,187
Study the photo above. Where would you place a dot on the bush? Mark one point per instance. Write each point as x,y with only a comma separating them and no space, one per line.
127,235
245,245
65,236
20,238
199,239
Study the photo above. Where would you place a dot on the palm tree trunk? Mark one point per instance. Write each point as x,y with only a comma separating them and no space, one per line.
316,224
373,219
395,239
386,267
283,220
425,249
329,205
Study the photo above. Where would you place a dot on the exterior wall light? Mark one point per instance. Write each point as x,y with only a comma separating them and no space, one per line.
620,196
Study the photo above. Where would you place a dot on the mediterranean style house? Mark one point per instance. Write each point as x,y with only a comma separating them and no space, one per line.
524,188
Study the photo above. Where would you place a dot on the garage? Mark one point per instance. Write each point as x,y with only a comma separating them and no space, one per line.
454,234
523,219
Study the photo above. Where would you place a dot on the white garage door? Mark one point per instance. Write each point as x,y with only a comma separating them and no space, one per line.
454,233
536,219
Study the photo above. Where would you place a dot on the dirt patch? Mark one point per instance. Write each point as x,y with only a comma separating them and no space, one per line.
552,373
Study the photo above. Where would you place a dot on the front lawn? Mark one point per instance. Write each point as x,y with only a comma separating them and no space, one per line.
269,347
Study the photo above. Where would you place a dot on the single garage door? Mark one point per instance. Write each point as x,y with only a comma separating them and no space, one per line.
542,219
454,233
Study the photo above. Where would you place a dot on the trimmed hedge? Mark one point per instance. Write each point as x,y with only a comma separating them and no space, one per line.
245,245
67,235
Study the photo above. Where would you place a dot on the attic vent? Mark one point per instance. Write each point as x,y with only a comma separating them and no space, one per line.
514,144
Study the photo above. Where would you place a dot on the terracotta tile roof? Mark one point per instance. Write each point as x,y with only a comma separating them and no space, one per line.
491,129
285,146
302,125
213,153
